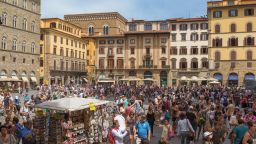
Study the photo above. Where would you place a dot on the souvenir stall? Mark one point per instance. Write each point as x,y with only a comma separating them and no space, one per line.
72,120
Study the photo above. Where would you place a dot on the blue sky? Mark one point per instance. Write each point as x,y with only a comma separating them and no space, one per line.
137,9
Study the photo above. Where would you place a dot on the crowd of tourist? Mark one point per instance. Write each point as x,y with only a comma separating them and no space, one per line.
191,114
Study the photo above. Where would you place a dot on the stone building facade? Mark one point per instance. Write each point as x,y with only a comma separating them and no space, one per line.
232,48
19,40
63,52
189,48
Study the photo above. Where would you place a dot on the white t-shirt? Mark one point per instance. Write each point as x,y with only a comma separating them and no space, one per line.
121,121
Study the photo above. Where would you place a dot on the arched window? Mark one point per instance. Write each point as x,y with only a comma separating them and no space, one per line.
14,21
217,42
105,30
249,41
194,63
249,55
249,27
233,28
4,18
23,47
183,63
232,55
233,41
217,56
33,46
24,24
217,28
91,30
14,44
205,63
33,26
4,42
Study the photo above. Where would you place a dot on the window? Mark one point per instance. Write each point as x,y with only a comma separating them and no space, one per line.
194,37
53,25
233,42
204,36
217,42
217,56
148,26
14,44
72,42
164,26
194,26
4,18
3,58
88,52
174,51
231,3
249,55
174,37
91,30
55,50
205,63
132,50
217,28
61,52
194,51
75,53
15,2
174,27
147,40
55,39
83,55
203,26
204,50
14,21
41,49
232,13
23,47
67,50
249,64
194,63
183,50
132,41
83,46
105,30
147,50
249,41
33,26
174,63
249,27
132,63
24,24
4,43
163,40
120,63
33,5
183,63
41,37
163,63
101,50
33,47
217,14
233,55
101,63
183,36
233,28
120,41
61,40
183,27
249,12
119,50
14,59
163,50
132,27
24,4
24,60
111,41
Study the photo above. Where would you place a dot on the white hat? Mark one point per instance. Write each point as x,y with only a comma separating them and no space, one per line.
16,97
206,134
191,107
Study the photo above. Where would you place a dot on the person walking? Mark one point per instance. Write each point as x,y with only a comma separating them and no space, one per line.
143,130
118,135
249,137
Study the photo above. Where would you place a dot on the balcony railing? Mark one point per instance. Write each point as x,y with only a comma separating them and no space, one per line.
192,69
147,56
166,66
148,66
52,68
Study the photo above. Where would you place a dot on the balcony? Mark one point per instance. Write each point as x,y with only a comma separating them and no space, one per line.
193,70
59,69
148,67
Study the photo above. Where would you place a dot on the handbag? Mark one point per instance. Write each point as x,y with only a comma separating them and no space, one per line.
191,135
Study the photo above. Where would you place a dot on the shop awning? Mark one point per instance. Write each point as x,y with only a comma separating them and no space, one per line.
24,79
3,77
70,104
106,81
249,77
233,77
33,79
9,80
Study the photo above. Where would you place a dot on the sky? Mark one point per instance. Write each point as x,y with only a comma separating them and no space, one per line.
130,9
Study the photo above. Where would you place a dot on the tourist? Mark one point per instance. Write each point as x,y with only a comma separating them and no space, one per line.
151,120
118,134
249,137
5,137
143,129
239,132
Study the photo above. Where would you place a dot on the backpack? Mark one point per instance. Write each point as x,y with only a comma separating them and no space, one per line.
19,128
111,138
